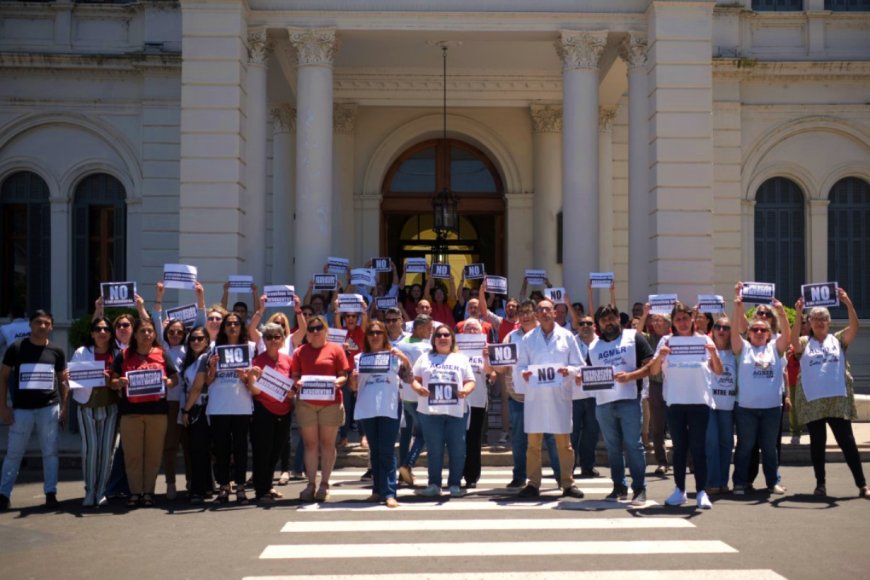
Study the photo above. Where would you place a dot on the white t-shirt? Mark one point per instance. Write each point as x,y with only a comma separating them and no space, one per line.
443,375
725,385
823,369
413,349
621,354
227,395
759,376
686,382
378,393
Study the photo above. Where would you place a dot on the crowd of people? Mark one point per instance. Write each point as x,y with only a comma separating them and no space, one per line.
420,373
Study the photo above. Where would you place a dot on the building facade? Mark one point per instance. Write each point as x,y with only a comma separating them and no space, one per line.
683,145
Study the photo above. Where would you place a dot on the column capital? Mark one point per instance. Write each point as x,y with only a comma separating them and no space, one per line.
344,117
819,203
258,46
605,119
580,50
546,118
314,46
283,118
633,49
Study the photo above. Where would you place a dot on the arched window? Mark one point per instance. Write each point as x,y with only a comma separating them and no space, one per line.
431,166
849,242
99,238
780,255
25,230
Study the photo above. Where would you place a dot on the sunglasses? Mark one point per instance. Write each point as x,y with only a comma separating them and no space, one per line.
196,339
375,333
273,337
721,327
758,330
441,335
123,325
315,328
102,329
764,313
233,323
215,318
585,323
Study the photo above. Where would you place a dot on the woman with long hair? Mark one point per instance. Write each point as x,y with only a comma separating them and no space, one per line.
193,416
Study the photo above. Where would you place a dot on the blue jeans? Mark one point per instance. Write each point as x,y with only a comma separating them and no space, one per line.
720,444
45,419
688,427
584,436
620,423
520,443
761,425
408,452
381,433
441,430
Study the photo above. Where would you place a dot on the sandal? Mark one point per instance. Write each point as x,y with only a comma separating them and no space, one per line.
147,500
307,493
275,493
284,479
322,493
223,495
820,491
133,501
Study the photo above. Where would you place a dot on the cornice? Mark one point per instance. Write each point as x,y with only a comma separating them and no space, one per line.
114,63
752,69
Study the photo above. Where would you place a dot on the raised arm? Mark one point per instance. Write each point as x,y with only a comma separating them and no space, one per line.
736,316
796,345
785,331
253,330
225,295
852,330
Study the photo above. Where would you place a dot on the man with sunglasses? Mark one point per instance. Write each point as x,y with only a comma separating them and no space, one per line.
35,374
393,321
548,408
584,436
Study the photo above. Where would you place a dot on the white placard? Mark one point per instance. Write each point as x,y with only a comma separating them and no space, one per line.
601,279
274,384
145,383
336,335
474,271
179,276
758,292
545,376
118,294
233,356
87,374
536,277
362,277
441,271
688,348
823,294
662,303
503,355
337,265
36,377
416,266
597,378
382,265
386,302
240,284
495,284
555,295
443,386
279,295
186,314
375,362
325,282
317,388
471,344
711,303
350,303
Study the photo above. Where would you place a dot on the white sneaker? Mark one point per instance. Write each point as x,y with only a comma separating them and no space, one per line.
429,491
678,497
703,500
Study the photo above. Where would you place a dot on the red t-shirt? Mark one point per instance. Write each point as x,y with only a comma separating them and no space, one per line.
443,313
486,327
327,360
282,365
506,327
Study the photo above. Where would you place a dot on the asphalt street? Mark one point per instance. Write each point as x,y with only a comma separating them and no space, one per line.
487,534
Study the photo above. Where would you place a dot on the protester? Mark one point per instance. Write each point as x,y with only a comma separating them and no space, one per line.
193,415
720,429
414,346
437,297
585,428
478,401
659,326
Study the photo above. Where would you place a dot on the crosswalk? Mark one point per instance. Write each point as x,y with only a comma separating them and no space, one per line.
489,534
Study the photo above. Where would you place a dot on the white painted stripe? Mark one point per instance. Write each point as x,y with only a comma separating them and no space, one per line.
468,549
454,506
580,575
406,492
421,470
362,526
494,482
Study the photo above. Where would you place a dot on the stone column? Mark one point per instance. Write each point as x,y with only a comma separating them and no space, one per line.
580,52
254,205
633,52
747,225
520,208
547,166
368,235
818,241
283,193
315,49
605,196
61,283
343,119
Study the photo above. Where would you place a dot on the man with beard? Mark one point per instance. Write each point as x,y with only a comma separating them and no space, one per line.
584,436
618,408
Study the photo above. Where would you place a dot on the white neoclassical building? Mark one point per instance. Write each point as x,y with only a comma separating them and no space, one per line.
683,145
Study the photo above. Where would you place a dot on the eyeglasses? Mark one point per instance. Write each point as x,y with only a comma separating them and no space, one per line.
102,329
233,323
764,313
389,320
123,325
215,318
273,337
315,328
375,333
758,330
585,323
722,327
196,339
175,332
442,335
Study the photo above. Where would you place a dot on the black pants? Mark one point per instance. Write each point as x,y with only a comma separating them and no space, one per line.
473,442
269,434
688,427
842,429
229,433
199,441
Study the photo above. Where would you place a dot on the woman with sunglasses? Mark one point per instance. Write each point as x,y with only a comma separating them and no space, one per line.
193,416
477,401
443,379
97,413
143,417
758,408
214,316
270,424
378,407
720,429
291,339
689,397
353,323
825,394
319,415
